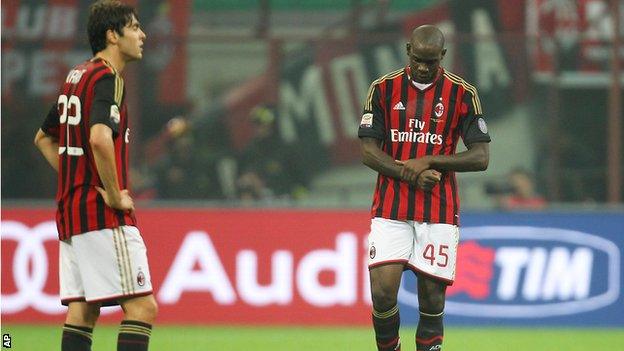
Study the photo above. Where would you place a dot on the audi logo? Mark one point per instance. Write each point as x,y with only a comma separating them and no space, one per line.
30,269
30,253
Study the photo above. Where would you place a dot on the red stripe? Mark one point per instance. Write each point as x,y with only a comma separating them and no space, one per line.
429,341
391,343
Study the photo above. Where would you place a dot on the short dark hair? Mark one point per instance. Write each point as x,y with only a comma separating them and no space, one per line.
105,15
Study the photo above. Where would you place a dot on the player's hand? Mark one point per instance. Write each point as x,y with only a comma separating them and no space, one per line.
412,168
428,179
124,203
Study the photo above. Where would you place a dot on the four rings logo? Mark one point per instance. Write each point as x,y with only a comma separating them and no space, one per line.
529,272
30,269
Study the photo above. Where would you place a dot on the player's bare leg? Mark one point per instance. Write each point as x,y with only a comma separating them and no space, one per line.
431,297
385,281
136,328
78,329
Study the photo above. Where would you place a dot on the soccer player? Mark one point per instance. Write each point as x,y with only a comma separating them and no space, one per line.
85,138
412,120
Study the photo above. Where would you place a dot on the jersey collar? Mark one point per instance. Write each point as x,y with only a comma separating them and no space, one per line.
408,71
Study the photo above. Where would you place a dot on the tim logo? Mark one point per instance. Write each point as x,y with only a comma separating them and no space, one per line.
528,272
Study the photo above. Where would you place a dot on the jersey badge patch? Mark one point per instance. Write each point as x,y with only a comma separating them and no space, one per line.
115,117
482,125
367,120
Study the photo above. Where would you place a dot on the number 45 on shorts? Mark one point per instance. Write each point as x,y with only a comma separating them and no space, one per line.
440,258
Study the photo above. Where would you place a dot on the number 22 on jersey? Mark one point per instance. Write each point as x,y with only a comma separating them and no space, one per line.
70,113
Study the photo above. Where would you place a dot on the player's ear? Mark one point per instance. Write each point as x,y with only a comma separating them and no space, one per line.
442,53
111,36
408,48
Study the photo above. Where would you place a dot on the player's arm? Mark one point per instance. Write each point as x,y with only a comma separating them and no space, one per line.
49,146
377,160
473,131
372,132
47,140
475,159
104,126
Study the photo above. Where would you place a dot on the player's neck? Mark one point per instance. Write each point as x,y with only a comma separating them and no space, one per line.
113,57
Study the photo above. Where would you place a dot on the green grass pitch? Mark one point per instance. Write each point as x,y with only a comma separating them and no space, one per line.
47,338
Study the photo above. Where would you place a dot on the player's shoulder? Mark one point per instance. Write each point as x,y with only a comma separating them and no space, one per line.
391,75
100,69
456,79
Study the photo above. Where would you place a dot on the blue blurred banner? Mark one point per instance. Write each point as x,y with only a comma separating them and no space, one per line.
559,269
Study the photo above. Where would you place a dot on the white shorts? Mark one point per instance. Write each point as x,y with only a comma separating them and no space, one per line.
426,248
103,266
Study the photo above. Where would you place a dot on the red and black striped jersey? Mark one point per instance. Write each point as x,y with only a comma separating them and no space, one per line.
413,122
92,93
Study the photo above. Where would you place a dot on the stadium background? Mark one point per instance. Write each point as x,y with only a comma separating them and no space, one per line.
253,199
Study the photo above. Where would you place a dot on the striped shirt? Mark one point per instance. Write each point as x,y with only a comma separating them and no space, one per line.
412,123
92,93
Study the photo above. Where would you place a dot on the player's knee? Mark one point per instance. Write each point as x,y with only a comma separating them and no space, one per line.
153,308
82,314
144,309
383,299
432,303
149,309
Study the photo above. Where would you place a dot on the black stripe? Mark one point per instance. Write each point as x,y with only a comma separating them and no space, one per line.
449,121
411,206
394,213
429,151
387,145
100,206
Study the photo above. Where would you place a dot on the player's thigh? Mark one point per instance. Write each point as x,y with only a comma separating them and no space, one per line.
113,263
82,314
435,251
385,281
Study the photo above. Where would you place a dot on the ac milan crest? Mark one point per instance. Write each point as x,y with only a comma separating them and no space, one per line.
141,278
439,109
372,252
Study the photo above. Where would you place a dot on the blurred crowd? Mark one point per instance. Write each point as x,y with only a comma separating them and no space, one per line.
192,158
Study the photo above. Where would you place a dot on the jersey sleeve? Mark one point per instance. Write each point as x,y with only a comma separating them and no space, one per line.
105,109
473,128
51,124
373,122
